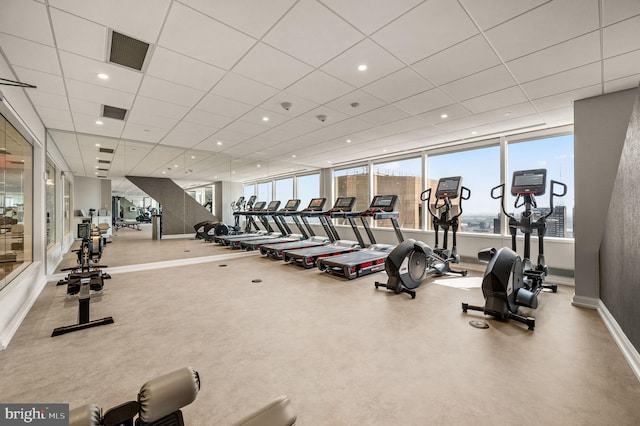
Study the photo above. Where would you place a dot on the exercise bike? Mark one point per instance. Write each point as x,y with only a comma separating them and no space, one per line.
510,281
411,261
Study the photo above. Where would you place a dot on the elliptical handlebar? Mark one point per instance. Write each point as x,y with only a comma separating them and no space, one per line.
501,197
427,198
553,193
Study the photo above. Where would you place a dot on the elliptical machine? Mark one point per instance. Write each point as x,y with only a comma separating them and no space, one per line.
510,281
411,261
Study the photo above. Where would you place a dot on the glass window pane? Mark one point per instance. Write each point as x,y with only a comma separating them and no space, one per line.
264,191
480,171
555,154
51,203
249,190
308,187
404,179
353,182
284,190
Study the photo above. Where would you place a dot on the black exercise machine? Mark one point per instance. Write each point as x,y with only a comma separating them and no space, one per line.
208,229
510,281
251,227
290,209
412,261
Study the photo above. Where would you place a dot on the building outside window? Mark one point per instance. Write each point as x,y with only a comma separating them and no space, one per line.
404,179
353,182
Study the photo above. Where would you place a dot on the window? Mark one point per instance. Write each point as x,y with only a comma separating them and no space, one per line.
16,201
404,179
67,206
249,190
264,191
308,187
284,190
353,182
555,154
480,171
51,203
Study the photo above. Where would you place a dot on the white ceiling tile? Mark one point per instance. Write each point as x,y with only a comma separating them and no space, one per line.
50,100
425,101
370,15
143,132
147,119
167,91
86,123
181,69
463,59
384,115
320,87
79,36
549,24
379,64
228,137
279,135
47,113
501,98
365,102
563,82
561,57
312,33
622,84
506,113
558,117
206,118
29,54
301,127
86,107
83,69
181,139
234,86
566,99
424,30
399,85
270,66
481,83
400,126
622,66
621,38
253,17
246,128
332,116
257,116
617,10
49,83
223,106
454,112
203,38
340,129
150,106
98,94
61,125
141,19
26,19
298,105
489,13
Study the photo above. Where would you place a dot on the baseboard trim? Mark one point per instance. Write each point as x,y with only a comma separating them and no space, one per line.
585,302
629,352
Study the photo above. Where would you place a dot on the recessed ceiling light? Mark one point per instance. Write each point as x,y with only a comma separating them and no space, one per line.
474,133
348,140
233,171
218,143
193,157
103,76
507,114
444,116
97,144
362,67
98,122
215,177
384,150
329,161
265,118
175,165
258,165
97,158
97,167
293,156
164,173
95,173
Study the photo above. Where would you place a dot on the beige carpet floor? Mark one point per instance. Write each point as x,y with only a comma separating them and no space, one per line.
347,354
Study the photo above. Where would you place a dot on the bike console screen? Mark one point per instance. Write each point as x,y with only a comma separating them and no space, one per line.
448,187
529,182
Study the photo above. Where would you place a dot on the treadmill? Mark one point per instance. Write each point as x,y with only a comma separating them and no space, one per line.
369,260
263,217
276,251
308,257
208,229
290,209
250,224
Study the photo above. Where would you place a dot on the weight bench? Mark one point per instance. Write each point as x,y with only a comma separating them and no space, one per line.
160,400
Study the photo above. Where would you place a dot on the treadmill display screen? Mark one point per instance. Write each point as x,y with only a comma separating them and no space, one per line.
251,200
316,203
448,187
529,182
83,230
384,202
273,205
260,205
292,205
344,203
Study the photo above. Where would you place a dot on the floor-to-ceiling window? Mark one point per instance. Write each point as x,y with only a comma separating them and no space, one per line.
51,202
402,178
353,182
16,202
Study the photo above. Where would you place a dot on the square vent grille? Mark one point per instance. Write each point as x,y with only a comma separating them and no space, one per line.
106,150
113,112
104,161
127,51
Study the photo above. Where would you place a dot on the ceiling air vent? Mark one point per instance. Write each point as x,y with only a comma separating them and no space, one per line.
102,177
102,170
106,150
104,161
127,51
113,112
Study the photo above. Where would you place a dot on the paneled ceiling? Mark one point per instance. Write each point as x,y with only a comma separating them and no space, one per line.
439,72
